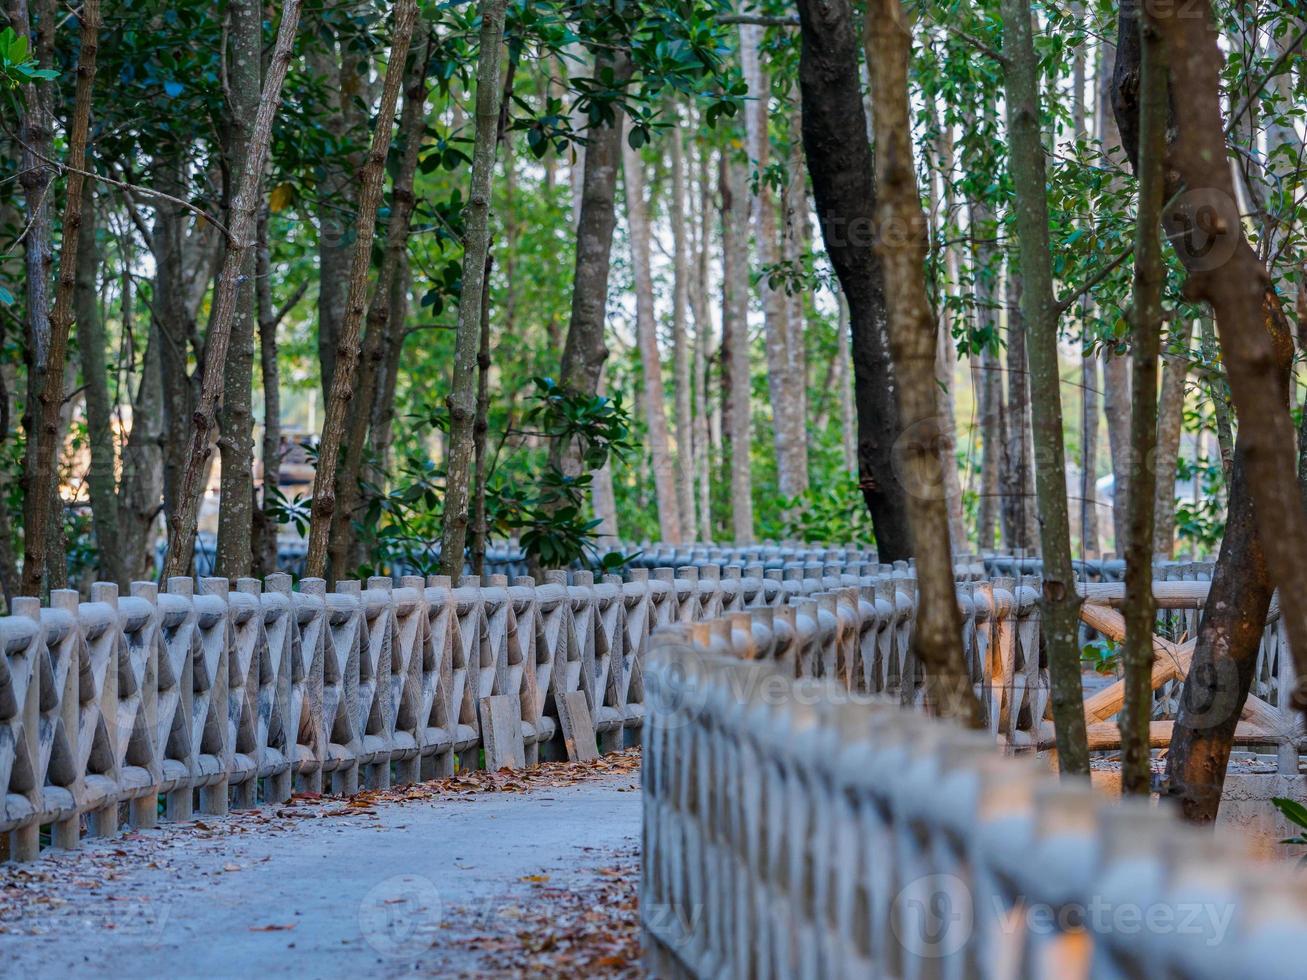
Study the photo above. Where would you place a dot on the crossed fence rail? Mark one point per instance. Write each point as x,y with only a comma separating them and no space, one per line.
796,828
213,697
206,696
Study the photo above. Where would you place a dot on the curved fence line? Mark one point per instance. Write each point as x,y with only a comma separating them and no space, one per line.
796,828
215,697
206,696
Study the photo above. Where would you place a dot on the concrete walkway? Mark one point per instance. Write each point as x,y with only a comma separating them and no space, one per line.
443,884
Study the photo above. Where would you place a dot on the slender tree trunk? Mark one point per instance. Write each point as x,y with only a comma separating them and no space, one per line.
844,373
787,426
1011,475
1059,603
1089,383
479,428
671,520
236,415
1237,290
1089,408
1150,277
173,324
986,375
1116,407
901,244
735,342
1170,421
1116,366
704,421
140,492
602,498
941,207
181,541
1018,473
681,369
101,475
336,189
476,247
843,185
8,560
584,350
384,329
265,537
1219,392
43,501
1234,617
796,240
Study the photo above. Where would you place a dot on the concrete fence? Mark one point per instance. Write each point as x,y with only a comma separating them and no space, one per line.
797,828
127,706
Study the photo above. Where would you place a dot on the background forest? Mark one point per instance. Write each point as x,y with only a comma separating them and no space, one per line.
621,175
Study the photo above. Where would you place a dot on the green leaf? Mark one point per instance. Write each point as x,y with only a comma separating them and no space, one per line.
1293,811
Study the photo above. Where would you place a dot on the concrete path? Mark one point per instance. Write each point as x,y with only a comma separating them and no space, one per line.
459,882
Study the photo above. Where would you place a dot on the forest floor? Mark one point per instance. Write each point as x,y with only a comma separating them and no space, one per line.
488,874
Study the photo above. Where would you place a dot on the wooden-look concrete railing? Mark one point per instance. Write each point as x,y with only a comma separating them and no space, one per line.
204,695
796,829
225,697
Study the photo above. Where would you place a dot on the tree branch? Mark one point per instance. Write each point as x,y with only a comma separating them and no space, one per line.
757,20
1065,303
124,186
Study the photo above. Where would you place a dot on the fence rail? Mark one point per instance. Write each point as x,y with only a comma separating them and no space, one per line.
210,696
794,828
206,695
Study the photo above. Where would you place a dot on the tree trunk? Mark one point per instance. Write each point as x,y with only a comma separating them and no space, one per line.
1116,408
476,248
986,373
8,560
43,509
1234,616
1219,392
844,374
736,376
941,207
705,422
1059,602
1170,421
796,239
265,518
602,498
681,376
1225,272
1017,476
480,426
901,245
671,525
1089,383
374,390
140,492
1116,366
336,189
236,416
788,435
839,162
1089,408
101,475
173,323
1150,277
584,350
181,541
